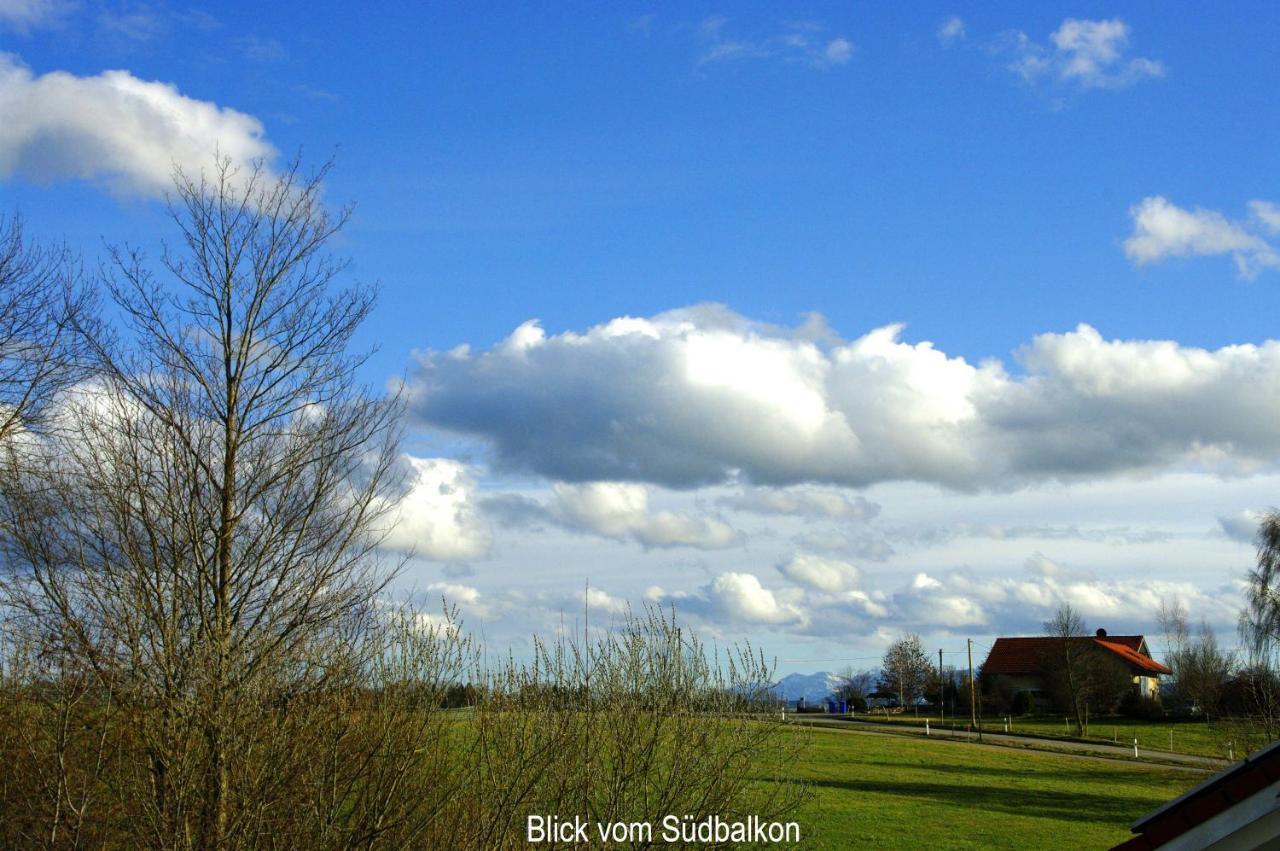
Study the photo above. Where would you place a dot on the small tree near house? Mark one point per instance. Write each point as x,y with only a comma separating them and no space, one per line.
1082,680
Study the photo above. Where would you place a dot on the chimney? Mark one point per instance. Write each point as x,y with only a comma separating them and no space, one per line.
1101,633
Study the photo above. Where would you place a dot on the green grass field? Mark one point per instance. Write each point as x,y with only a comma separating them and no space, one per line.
1189,737
892,792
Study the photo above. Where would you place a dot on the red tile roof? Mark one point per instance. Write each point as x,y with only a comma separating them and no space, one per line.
1026,655
1131,655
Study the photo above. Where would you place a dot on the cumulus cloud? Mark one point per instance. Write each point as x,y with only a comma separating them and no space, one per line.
26,16
617,510
455,594
621,510
436,516
1020,604
694,397
952,602
732,598
602,601
114,128
1086,54
801,42
951,30
828,575
802,502
1161,230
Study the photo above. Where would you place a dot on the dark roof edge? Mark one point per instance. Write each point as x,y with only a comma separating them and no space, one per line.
1243,765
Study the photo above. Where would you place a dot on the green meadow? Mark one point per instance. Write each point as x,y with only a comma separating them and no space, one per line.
873,791
1163,736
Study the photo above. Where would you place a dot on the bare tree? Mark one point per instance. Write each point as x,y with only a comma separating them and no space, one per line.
1206,671
1068,663
1085,678
1172,617
204,655
855,685
1200,666
210,521
905,669
42,301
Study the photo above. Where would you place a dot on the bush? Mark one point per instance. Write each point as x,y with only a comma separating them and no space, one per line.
1024,703
1134,705
640,723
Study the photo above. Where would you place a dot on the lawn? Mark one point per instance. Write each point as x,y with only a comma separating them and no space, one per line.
1190,737
891,792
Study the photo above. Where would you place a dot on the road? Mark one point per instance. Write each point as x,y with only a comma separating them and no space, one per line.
1023,742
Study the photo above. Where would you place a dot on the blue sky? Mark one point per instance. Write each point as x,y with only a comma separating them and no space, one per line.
982,175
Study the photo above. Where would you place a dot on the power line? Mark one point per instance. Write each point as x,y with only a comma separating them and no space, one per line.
861,658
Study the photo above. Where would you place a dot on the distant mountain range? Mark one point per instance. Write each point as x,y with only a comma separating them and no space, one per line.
812,687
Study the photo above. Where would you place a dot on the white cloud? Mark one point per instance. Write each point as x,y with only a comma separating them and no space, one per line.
1087,54
1020,605
951,30
995,563
956,601
621,510
925,582
701,396
800,42
1161,230
802,502
1266,214
455,594
838,51
115,129
733,598
616,510
513,612
436,517
830,575
26,16
602,601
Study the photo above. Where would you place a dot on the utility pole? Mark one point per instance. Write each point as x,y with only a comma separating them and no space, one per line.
973,694
942,689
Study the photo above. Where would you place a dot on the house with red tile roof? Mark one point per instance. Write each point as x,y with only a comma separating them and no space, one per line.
1019,664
